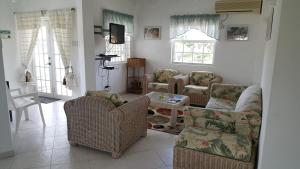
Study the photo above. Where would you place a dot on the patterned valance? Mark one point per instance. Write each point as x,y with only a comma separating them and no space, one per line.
208,24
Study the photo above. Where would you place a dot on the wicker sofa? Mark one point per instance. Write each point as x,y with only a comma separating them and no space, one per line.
197,86
224,134
97,123
160,81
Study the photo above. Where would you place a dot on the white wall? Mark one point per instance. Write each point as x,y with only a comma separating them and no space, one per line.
12,63
235,61
118,76
280,133
5,133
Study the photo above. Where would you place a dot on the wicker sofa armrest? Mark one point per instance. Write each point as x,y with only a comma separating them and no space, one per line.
230,122
226,91
182,81
146,80
130,122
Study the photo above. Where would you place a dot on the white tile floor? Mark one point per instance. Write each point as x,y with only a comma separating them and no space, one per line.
48,148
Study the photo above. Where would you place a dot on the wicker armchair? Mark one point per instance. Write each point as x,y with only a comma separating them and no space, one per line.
97,123
197,86
160,81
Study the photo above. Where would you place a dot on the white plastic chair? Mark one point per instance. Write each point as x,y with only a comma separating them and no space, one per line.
21,102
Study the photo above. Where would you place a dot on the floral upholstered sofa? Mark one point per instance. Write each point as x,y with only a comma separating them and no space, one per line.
197,86
223,134
160,81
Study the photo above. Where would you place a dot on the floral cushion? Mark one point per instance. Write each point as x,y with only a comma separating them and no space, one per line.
114,98
158,86
196,89
227,92
250,100
220,104
232,146
163,76
201,78
229,122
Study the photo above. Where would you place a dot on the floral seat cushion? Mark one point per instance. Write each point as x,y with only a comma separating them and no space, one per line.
221,104
158,86
196,89
232,146
163,76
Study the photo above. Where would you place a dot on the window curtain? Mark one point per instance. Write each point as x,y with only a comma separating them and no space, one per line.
110,16
61,22
208,24
28,25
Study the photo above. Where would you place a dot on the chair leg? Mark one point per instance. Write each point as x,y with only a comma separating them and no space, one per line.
42,115
26,114
18,118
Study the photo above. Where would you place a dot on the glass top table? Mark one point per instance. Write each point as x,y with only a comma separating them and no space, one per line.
169,101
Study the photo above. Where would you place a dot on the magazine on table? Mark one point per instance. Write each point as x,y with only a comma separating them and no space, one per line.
175,99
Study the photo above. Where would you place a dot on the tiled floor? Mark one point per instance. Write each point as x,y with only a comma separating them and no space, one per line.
47,148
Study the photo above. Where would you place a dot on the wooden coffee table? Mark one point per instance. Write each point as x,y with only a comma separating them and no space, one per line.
169,101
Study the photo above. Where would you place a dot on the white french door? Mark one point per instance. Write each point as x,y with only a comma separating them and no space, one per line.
47,65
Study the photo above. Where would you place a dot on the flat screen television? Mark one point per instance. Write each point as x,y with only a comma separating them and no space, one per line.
116,33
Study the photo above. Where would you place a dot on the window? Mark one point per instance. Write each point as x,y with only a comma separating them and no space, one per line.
122,50
193,47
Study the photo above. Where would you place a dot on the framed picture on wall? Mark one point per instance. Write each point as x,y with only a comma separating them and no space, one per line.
237,33
152,33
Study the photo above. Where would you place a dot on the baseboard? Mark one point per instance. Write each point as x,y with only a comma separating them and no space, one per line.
7,154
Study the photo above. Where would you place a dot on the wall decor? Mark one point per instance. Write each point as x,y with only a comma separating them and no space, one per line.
5,34
270,25
237,33
152,33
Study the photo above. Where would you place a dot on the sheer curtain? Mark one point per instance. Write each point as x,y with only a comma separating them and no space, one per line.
28,25
61,22
208,24
110,16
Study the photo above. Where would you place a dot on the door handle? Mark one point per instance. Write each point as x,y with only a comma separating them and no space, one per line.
48,64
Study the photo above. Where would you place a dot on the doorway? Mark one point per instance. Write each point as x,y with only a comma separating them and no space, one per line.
47,65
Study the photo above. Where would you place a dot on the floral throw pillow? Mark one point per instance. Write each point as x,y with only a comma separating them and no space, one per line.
163,76
114,98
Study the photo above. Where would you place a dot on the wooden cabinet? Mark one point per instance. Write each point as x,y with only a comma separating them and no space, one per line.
136,69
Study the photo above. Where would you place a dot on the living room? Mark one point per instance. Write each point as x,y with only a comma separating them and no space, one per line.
241,52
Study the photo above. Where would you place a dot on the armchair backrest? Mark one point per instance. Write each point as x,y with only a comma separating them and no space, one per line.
201,78
227,91
164,75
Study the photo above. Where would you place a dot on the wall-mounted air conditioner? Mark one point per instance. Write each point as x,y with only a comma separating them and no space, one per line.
235,6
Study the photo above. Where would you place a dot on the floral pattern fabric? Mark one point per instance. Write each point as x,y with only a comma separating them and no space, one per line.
158,86
200,78
232,146
190,89
229,122
163,76
227,92
114,98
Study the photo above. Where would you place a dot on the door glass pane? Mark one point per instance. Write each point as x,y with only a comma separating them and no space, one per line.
41,67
